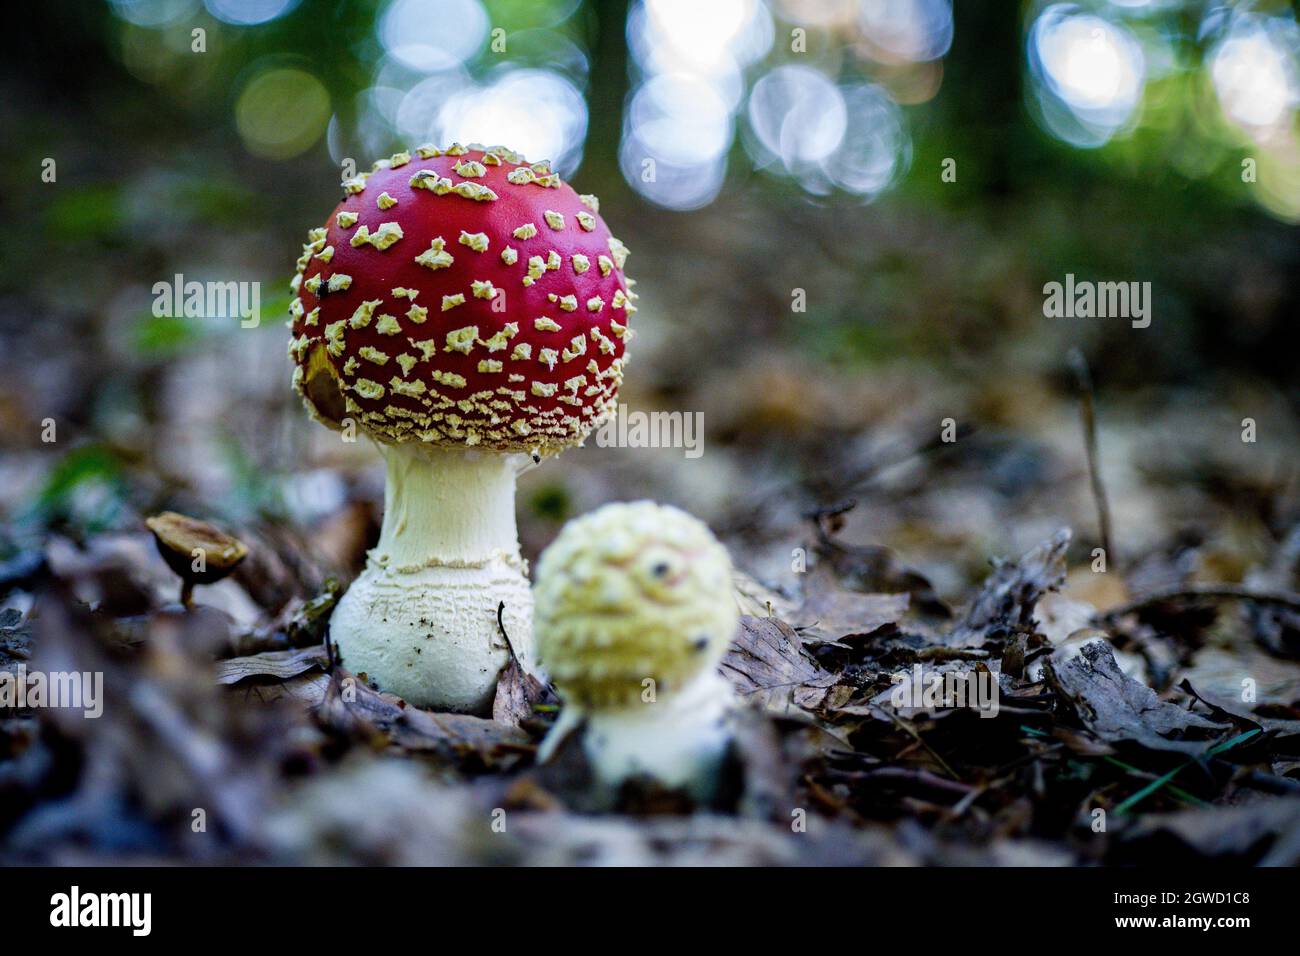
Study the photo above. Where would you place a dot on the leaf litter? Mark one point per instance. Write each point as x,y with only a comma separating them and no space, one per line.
293,759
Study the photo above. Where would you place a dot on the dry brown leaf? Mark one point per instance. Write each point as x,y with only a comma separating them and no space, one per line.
1118,708
1227,831
1010,594
830,612
519,694
352,707
306,689
280,664
765,664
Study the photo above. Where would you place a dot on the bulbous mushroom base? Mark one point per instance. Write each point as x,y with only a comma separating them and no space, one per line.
430,635
421,620
679,740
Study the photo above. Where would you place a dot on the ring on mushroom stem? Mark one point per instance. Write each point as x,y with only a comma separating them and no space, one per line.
634,613
469,311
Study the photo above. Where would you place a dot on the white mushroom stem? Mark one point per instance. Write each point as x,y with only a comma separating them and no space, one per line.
421,620
679,739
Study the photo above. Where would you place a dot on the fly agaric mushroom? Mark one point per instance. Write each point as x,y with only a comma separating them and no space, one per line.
634,614
469,311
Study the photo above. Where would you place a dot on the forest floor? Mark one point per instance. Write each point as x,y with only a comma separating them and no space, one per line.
1113,714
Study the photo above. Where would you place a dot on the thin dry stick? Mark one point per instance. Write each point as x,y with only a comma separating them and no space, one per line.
1222,592
765,500
1079,365
915,734
920,777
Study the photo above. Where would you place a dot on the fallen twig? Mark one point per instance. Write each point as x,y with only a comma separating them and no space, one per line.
1189,592
1079,365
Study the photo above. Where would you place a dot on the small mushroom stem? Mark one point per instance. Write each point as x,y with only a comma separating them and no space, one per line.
679,739
187,593
421,620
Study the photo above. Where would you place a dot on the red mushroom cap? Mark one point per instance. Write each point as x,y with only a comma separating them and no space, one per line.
462,297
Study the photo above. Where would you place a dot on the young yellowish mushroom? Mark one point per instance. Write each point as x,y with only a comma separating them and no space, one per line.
634,612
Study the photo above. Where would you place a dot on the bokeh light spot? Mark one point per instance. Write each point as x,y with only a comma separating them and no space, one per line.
1089,74
248,12
281,113
797,114
537,112
1253,73
901,31
431,35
